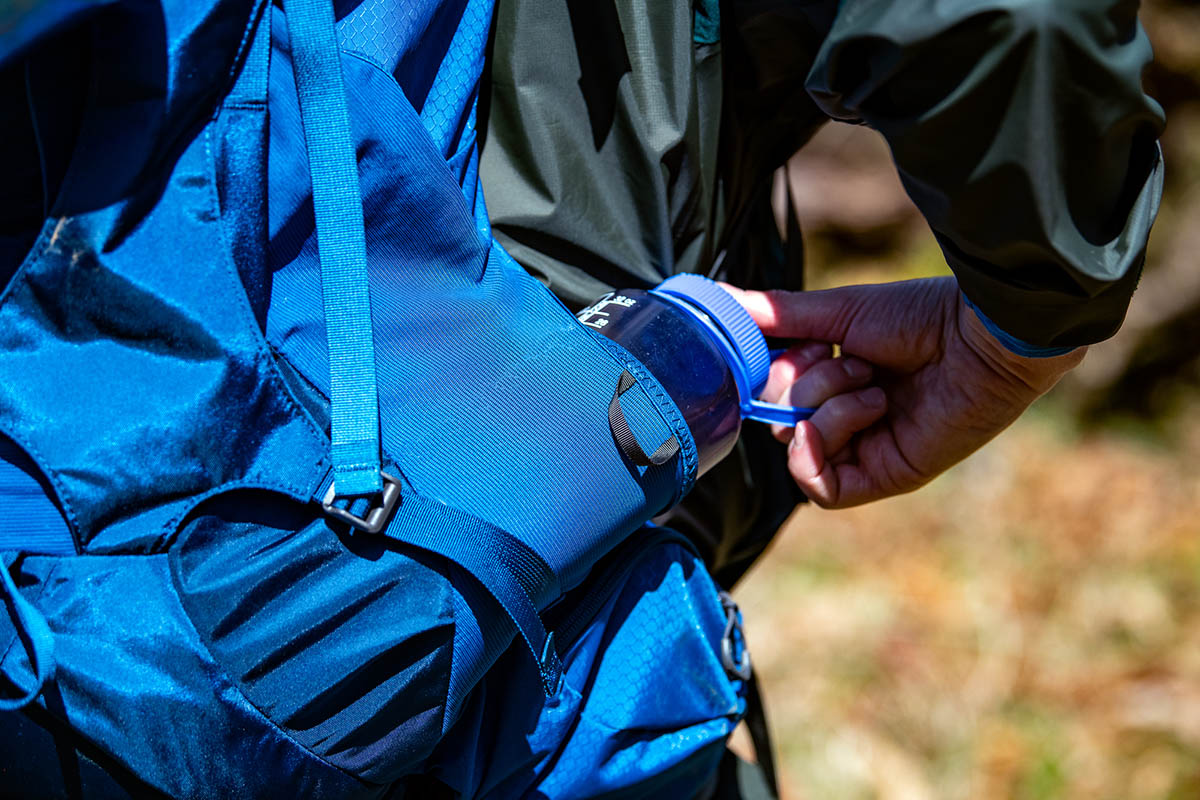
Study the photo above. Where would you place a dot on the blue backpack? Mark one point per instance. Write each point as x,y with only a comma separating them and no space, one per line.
299,469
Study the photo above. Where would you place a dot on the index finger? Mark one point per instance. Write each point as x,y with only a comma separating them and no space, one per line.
823,315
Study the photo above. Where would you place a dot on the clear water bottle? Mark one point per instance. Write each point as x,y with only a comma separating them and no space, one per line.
705,350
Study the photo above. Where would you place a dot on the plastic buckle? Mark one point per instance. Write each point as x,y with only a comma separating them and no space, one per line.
734,666
376,517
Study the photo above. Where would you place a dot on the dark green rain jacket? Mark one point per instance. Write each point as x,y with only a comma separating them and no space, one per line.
625,141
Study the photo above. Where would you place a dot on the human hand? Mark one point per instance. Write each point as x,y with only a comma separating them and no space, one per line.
944,385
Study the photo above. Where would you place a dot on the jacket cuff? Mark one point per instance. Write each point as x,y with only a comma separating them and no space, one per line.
1012,343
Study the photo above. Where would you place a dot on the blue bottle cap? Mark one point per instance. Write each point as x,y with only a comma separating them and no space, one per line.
742,342
754,359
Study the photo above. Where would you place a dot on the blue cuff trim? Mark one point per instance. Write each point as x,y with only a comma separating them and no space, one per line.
1012,343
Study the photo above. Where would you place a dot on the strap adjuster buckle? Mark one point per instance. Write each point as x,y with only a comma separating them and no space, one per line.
376,517
736,664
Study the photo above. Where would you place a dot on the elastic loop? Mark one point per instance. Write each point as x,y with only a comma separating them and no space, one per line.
624,435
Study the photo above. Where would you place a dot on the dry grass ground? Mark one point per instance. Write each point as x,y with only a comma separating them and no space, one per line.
1027,626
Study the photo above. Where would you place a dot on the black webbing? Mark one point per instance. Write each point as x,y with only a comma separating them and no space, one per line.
624,436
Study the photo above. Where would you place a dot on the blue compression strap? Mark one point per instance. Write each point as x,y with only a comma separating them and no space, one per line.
341,247
512,572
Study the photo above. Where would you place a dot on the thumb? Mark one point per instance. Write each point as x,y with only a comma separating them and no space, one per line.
826,315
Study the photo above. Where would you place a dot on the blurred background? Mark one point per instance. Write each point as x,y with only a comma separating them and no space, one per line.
1027,626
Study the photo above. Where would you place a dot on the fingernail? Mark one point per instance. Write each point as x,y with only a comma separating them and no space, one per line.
874,397
814,352
797,437
858,370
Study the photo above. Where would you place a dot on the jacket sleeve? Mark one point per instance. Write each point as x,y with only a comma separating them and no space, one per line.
1021,131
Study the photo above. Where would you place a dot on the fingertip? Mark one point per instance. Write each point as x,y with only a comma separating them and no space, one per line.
856,369
808,466
757,304
874,398
804,453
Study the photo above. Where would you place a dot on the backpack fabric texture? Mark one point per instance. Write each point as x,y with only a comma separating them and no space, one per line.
186,615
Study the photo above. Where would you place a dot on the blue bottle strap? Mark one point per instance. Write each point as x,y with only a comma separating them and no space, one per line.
35,636
341,247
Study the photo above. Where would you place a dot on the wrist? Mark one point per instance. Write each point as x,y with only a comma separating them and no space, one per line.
1037,368
1010,342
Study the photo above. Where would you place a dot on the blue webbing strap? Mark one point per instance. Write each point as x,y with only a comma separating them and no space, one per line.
341,247
30,521
508,568
35,636
512,572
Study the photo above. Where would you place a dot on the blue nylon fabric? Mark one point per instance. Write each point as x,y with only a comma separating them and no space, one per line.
137,682
389,33
264,653
515,386
32,634
456,84
508,569
625,724
182,396
154,66
342,251
344,641
514,575
240,153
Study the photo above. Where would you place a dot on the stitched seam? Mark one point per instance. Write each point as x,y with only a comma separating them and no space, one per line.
59,487
363,57
40,245
250,324
36,254
666,407
55,481
257,14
